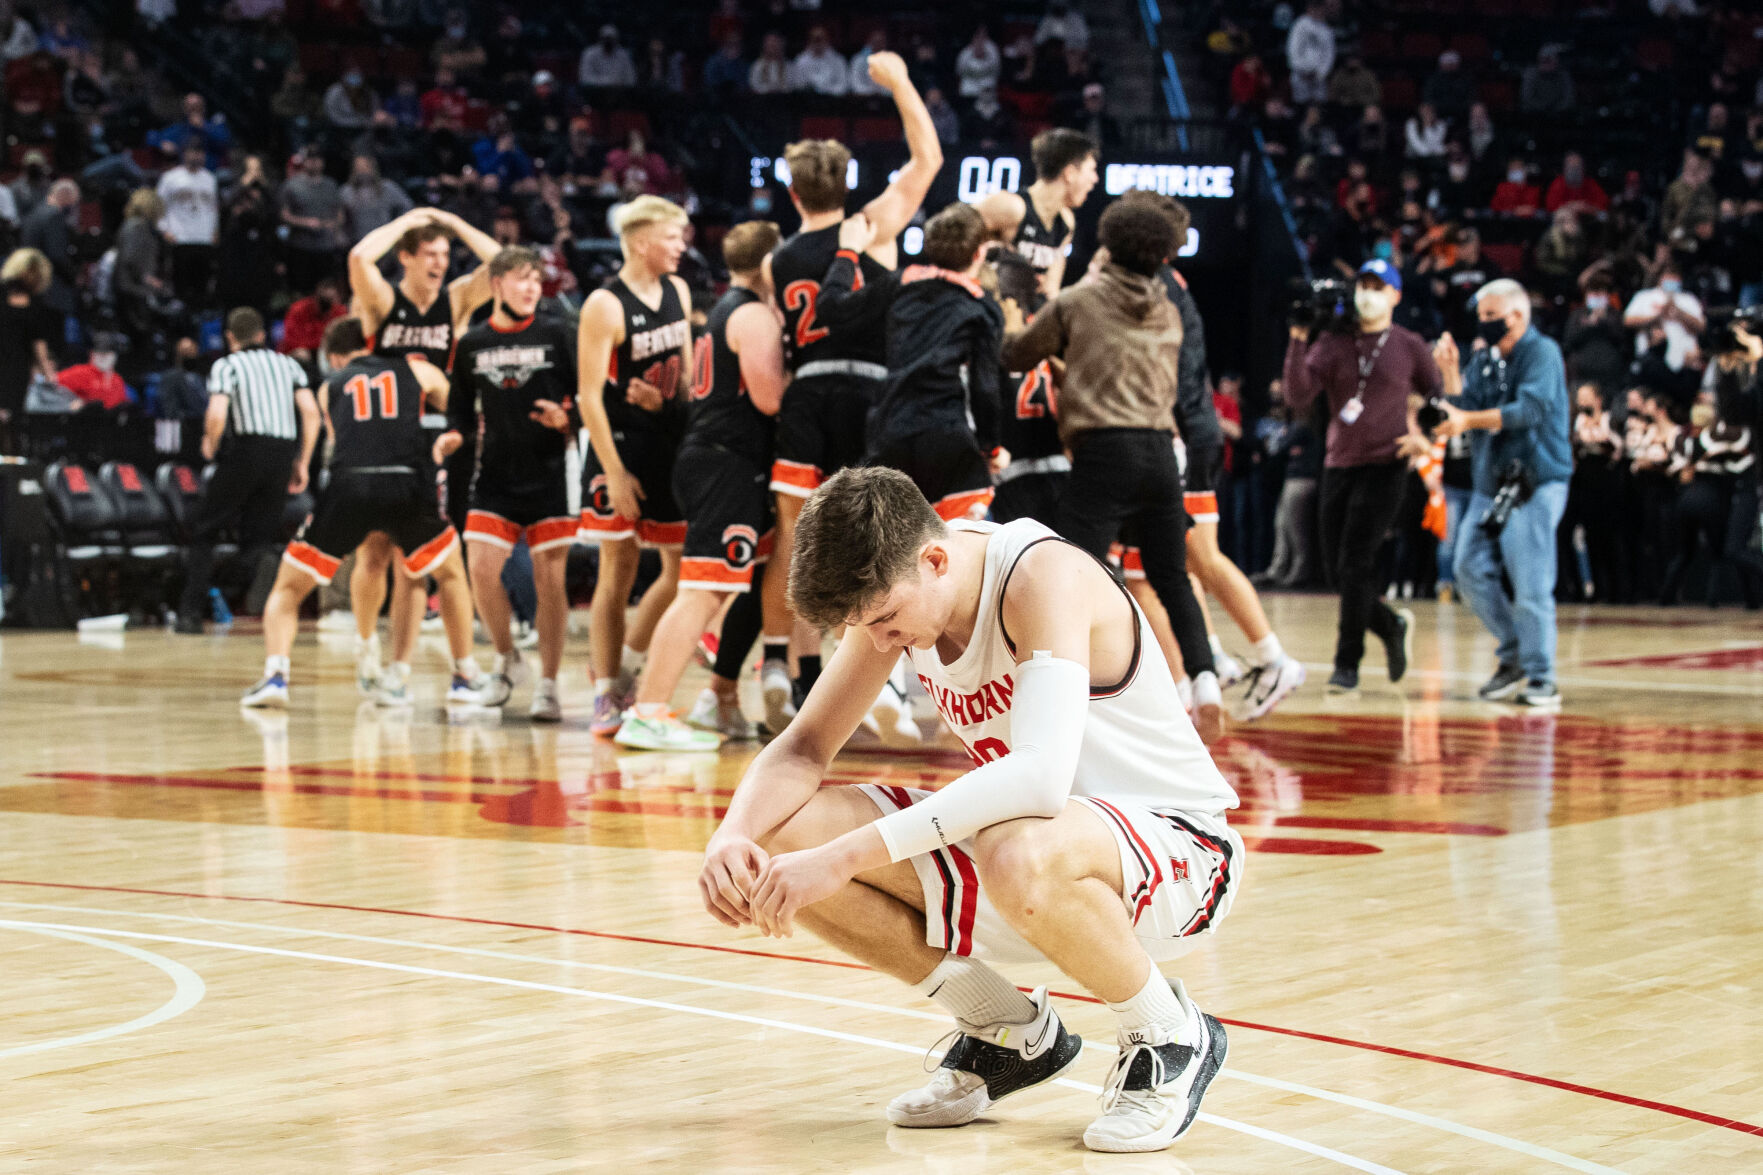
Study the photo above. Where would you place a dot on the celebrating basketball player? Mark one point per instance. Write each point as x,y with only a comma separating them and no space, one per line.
409,318
635,343
1033,481
720,480
379,483
837,371
1040,226
518,370
1091,831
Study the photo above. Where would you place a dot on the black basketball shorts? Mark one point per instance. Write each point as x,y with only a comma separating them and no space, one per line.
820,430
1200,483
728,518
947,466
354,505
649,455
539,511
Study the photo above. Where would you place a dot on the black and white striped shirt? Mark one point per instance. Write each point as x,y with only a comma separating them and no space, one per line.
259,385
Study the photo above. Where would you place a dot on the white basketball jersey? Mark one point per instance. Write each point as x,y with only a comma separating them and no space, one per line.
1138,742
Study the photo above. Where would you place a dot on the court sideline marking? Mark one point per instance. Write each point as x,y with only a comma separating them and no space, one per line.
1532,1150
1300,1144
187,991
1726,1123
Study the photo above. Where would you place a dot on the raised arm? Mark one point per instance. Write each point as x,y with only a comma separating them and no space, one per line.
894,209
469,292
1297,382
844,297
1043,338
369,287
755,335
1003,213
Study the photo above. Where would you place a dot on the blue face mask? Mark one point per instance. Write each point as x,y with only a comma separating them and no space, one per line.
1381,251
1671,285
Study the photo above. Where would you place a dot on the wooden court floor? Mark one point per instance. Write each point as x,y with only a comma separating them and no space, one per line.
349,940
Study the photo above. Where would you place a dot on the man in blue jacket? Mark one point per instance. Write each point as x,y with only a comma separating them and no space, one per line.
1511,395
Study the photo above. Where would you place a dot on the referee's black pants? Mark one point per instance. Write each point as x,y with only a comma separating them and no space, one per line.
250,488
1359,505
1128,477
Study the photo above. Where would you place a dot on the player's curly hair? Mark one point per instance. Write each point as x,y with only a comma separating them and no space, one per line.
1177,212
1138,236
859,536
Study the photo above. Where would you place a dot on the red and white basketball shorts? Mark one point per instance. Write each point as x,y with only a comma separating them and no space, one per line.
1181,871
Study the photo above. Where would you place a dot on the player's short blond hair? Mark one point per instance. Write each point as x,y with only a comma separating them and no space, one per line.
746,245
644,211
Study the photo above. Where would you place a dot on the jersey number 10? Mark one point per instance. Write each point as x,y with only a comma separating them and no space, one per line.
363,391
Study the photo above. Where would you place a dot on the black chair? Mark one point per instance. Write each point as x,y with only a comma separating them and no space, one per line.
152,557
180,488
89,548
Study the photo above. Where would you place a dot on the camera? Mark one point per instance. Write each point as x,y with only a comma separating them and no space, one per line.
1323,304
1430,414
1726,335
1515,488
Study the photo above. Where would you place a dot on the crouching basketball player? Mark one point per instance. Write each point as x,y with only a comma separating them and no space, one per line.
379,483
1091,831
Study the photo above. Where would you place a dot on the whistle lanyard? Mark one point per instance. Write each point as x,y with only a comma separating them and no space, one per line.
1367,364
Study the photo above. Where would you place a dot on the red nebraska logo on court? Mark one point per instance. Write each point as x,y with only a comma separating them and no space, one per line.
991,700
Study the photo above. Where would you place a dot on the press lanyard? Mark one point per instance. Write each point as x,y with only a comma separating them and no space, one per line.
1367,364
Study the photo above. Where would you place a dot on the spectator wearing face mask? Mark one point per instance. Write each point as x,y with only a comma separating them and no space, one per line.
303,329
96,381
350,104
1596,345
1516,194
1669,308
1575,186
607,64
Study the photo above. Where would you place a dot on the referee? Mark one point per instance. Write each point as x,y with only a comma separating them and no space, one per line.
261,426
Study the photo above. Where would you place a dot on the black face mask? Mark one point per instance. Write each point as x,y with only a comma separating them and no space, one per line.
1491,331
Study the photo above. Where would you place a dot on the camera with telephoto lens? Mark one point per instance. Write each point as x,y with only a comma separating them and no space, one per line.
1323,305
1517,484
1726,334
1430,414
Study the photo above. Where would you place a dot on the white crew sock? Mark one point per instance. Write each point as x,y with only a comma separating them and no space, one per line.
975,994
1206,692
366,645
466,667
650,709
1157,1014
1217,645
1268,649
631,662
400,670
275,665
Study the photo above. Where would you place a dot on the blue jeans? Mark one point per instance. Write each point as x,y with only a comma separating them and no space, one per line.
1456,505
1525,550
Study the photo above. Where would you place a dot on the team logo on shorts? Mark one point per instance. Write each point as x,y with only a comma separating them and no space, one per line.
600,496
739,545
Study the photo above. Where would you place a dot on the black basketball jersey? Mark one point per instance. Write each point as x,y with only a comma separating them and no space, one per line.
376,411
1030,425
655,338
498,375
1042,244
796,272
721,414
427,334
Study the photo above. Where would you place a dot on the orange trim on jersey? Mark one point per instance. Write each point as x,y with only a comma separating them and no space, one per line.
919,273
481,526
1132,564
520,324
1202,505
592,528
312,561
714,575
661,534
550,532
957,505
431,554
795,478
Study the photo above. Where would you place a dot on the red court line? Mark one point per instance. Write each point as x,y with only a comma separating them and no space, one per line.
1408,1054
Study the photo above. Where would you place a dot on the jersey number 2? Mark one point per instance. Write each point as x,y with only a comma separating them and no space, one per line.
801,295
1034,396
363,391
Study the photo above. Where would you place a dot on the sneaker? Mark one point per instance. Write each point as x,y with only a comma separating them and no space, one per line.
666,733
608,715
1505,683
986,1065
271,692
1228,668
1208,708
1268,684
514,667
780,702
1153,1093
890,717
709,713
465,692
545,706
367,667
525,635
1540,695
704,652
392,689
1343,681
1401,646
495,691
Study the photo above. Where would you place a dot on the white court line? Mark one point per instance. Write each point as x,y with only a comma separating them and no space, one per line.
188,990
1300,1144
1502,1141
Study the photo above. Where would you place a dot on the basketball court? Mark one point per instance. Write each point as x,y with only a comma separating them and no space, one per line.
349,939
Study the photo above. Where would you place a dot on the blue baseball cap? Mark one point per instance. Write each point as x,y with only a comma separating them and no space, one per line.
1384,272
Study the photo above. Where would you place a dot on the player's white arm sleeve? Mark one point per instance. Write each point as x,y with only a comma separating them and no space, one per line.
1047,713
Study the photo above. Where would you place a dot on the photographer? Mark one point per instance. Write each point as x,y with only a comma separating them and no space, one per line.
1368,376
1512,395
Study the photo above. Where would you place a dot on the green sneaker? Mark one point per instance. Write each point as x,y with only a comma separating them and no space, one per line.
666,733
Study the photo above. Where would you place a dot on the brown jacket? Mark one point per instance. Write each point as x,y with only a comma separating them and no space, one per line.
1120,337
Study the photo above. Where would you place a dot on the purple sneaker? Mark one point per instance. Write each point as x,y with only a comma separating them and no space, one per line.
608,714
